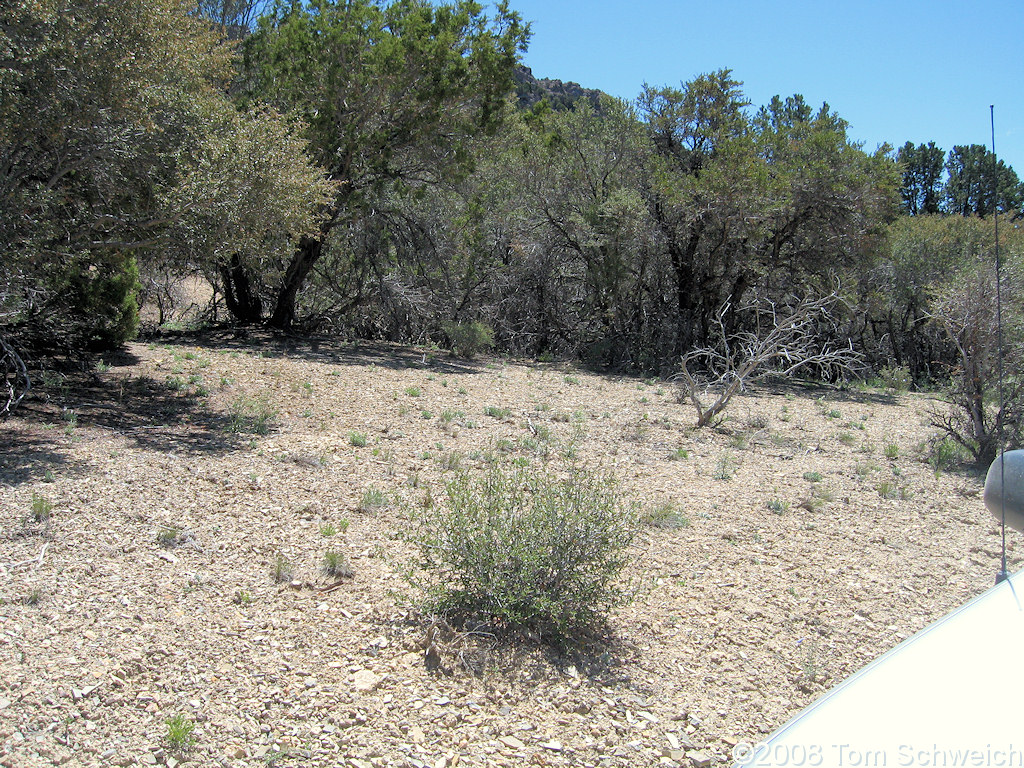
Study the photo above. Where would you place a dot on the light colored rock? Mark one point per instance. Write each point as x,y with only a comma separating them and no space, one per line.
511,742
699,759
365,680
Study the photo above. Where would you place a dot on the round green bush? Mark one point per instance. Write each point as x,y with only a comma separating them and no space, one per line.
520,548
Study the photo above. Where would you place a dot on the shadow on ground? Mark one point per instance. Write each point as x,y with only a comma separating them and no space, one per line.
139,408
27,454
323,349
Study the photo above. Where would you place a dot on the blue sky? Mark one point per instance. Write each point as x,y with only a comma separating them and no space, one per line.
896,71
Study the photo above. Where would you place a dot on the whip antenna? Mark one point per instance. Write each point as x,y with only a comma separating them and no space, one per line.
1002,574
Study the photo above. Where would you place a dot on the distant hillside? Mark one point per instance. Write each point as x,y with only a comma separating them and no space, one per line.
560,95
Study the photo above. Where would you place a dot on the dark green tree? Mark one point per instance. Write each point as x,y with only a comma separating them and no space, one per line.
93,117
755,206
980,184
923,168
392,95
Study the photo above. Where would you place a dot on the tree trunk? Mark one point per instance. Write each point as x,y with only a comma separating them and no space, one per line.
306,255
244,304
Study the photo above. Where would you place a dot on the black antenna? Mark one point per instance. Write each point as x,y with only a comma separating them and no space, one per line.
1002,575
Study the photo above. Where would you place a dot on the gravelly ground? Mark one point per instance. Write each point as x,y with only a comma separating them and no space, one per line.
149,592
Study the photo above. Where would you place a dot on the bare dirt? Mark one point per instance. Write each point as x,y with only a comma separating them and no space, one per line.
148,590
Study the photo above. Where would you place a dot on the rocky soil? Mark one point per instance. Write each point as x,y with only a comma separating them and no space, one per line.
161,560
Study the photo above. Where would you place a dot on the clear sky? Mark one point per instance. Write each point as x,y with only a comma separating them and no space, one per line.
897,71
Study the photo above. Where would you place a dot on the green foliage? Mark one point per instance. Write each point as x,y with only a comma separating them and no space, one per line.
282,570
392,94
922,168
469,339
724,467
256,415
896,377
945,454
121,149
42,508
979,184
357,439
372,500
524,549
665,515
168,536
336,565
180,733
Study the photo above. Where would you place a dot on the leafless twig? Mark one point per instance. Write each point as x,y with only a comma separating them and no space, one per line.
15,380
782,344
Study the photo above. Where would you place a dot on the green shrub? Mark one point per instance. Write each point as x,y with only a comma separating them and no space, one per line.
336,565
469,339
42,507
896,377
373,499
252,414
95,298
946,454
524,549
665,515
180,733
282,570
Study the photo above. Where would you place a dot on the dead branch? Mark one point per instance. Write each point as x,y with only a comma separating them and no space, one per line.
14,379
781,344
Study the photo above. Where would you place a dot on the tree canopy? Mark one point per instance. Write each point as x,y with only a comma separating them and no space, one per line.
364,167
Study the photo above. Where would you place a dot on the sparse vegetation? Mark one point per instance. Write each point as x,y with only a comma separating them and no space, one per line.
469,339
255,415
41,509
168,536
357,439
372,500
946,454
180,733
336,565
725,467
282,569
665,515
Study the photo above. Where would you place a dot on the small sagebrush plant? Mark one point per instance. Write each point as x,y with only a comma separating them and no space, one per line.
281,570
524,549
256,415
180,734
469,339
42,507
336,565
372,500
